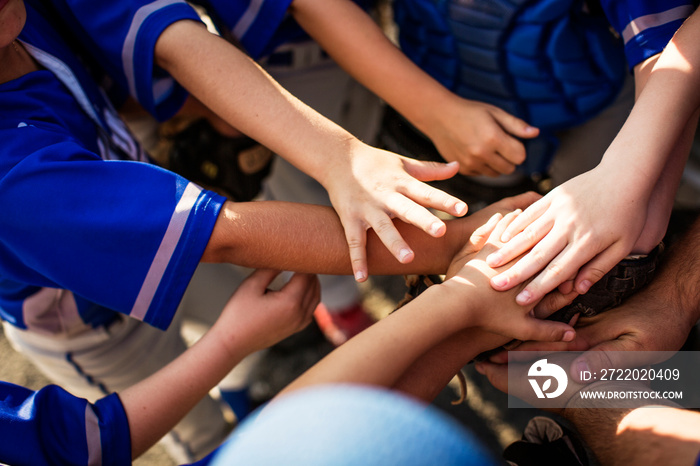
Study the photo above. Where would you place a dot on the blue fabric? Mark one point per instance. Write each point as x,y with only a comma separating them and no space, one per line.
79,212
238,401
546,61
260,26
646,26
120,37
350,425
49,427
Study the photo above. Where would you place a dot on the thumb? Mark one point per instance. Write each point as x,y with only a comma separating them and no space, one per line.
514,125
620,353
496,373
430,171
260,279
544,330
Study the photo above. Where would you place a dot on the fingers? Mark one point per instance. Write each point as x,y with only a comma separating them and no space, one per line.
481,234
503,224
552,302
501,151
311,298
430,171
619,353
594,270
415,189
561,262
304,289
387,233
260,279
528,234
476,242
514,125
509,153
535,329
496,373
356,236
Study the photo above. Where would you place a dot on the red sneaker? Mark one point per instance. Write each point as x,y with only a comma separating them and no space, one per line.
339,327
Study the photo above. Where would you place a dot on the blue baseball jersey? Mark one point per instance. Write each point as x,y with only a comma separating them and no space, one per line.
646,26
260,25
89,228
119,38
51,426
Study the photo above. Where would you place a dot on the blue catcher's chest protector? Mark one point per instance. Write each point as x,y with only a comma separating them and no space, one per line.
549,62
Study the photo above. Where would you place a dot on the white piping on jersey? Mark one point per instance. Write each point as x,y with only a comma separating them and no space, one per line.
92,435
165,251
112,126
643,23
247,18
67,77
122,138
140,17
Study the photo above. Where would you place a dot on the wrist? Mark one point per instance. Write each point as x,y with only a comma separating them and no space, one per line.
335,161
459,302
433,118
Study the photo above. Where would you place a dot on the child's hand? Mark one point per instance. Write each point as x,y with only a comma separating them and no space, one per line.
257,318
567,230
481,137
495,312
376,186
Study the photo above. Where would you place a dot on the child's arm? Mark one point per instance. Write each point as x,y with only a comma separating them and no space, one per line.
575,234
253,319
481,137
308,238
367,186
440,318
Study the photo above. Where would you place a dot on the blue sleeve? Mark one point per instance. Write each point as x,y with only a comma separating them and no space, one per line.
260,25
122,36
646,26
51,426
125,235
255,23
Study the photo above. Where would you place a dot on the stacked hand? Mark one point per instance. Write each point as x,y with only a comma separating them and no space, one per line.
264,317
496,312
570,234
376,186
481,137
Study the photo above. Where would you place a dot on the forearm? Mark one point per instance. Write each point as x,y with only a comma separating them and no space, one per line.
675,284
667,99
155,405
648,435
381,354
236,89
358,45
430,373
309,238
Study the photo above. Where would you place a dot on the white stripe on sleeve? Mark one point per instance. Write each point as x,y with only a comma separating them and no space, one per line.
92,434
643,23
165,251
129,46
